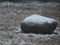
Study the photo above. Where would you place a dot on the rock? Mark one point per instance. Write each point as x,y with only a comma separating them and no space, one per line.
38,24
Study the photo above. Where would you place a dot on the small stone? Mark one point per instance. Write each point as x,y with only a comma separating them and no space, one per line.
38,24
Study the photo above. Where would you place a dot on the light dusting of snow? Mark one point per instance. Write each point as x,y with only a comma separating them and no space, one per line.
40,36
22,43
38,19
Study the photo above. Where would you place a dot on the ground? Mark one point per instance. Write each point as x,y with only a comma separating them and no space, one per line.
11,17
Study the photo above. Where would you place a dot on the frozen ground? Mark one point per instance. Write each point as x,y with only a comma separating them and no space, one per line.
11,16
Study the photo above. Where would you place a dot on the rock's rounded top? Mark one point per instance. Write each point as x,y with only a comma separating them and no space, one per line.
35,18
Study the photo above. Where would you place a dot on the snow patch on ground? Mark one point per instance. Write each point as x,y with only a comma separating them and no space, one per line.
18,29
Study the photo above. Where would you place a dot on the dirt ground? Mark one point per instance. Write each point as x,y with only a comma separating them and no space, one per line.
11,17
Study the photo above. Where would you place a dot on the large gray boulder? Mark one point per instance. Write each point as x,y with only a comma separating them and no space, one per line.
38,24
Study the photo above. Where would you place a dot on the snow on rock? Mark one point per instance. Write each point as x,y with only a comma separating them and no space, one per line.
38,24
38,19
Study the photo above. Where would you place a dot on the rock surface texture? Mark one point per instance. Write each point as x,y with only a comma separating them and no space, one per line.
38,24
